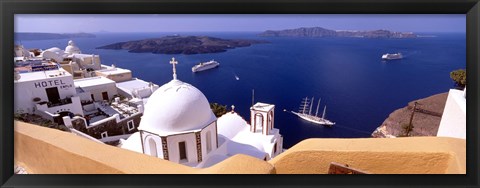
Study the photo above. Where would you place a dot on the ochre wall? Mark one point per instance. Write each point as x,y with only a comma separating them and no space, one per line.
48,151
414,155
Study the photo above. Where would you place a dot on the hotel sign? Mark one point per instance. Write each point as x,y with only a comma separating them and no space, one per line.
52,83
44,68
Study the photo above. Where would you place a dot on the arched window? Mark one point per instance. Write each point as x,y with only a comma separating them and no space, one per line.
270,120
209,142
258,121
153,147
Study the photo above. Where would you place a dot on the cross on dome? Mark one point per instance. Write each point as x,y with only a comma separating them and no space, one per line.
173,62
233,108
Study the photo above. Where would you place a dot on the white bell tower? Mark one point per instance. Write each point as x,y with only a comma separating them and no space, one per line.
261,118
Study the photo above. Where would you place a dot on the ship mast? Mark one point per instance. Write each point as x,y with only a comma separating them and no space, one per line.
324,109
318,105
310,110
304,104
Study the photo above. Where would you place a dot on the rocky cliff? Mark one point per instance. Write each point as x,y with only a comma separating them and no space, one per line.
322,32
426,119
181,45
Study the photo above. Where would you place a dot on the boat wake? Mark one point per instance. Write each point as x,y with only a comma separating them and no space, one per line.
236,76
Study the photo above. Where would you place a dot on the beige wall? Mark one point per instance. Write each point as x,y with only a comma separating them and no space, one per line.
414,155
48,151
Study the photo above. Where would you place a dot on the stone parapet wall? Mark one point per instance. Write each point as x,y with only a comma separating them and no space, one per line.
47,151
408,155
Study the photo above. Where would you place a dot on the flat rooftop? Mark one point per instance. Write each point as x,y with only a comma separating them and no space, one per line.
92,81
34,65
42,75
263,106
109,70
133,84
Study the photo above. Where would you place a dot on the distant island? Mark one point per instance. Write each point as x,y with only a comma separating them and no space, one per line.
181,45
48,36
322,32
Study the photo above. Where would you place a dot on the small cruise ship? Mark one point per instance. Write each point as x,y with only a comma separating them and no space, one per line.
205,66
392,56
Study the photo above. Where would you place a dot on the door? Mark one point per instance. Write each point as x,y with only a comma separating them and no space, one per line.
53,95
105,96
182,150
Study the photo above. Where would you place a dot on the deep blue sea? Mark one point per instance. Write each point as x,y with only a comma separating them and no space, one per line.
360,90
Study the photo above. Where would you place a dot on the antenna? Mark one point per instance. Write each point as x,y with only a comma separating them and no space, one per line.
253,96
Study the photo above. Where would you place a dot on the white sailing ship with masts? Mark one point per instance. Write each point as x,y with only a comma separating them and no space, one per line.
306,106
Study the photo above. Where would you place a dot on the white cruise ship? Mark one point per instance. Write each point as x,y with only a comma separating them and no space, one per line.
205,66
392,56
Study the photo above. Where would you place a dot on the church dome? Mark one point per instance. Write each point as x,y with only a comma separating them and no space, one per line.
72,49
176,107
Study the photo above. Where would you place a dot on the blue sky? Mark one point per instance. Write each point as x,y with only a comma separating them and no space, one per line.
72,23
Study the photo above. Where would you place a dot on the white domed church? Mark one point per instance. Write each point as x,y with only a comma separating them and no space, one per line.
178,125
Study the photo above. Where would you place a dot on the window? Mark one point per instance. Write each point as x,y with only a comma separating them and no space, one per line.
182,150
270,119
153,147
275,148
209,142
131,125
105,96
104,134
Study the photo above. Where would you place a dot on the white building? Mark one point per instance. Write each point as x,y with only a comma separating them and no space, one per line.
42,88
114,73
20,51
453,122
178,125
99,88
72,60
72,48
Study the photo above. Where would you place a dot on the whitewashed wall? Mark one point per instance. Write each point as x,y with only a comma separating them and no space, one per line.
25,92
158,142
203,135
190,145
453,123
97,90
